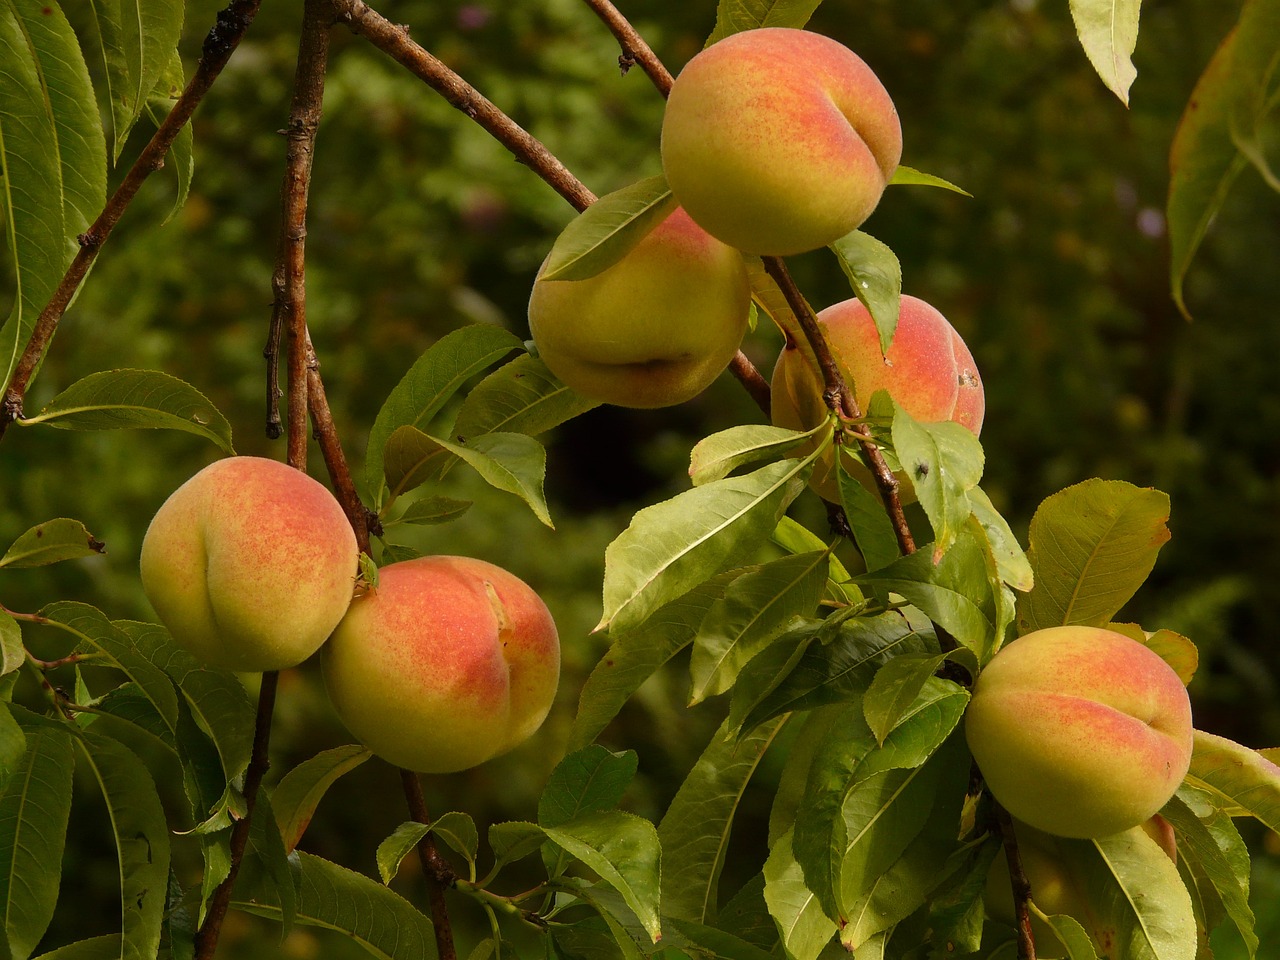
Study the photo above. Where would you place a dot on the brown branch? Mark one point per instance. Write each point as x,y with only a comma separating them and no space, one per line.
335,460
634,48
394,41
839,398
756,385
221,42
435,870
1018,882
206,943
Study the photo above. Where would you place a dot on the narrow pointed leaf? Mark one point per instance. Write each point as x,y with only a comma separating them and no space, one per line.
944,462
1011,562
876,278
300,791
133,399
181,156
13,745
435,377
336,898
895,688
52,542
624,850
590,780
910,176
753,611
12,653
1245,782
430,510
1108,31
695,829
402,842
671,547
148,35
1092,546
734,16
522,396
871,527
142,840
715,457
606,231
803,926
98,948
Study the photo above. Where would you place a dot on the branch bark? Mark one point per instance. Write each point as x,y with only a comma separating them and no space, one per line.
435,870
1018,881
634,48
222,40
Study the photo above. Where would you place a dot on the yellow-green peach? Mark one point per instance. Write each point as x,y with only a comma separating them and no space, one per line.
778,140
654,329
448,662
250,564
928,370
1080,731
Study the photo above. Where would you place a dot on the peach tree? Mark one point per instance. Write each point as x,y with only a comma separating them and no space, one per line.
844,652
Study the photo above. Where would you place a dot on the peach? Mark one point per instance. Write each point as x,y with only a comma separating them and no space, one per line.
778,140
449,662
928,370
654,329
250,564
1080,731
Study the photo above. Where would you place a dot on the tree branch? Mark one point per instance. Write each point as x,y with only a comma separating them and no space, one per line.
1019,883
634,48
222,40
435,870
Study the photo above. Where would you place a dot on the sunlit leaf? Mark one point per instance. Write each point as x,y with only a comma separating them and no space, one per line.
876,278
51,542
895,688
300,791
456,829
671,547
868,521
734,16
588,781
336,898
943,462
909,176
753,611
1108,31
12,653
802,924
623,850
1245,782
715,457
1092,546
1174,649
53,155
1011,562
695,829
133,399
607,230
521,396
435,377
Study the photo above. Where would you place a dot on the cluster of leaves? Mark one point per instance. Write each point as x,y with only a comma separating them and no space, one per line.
877,839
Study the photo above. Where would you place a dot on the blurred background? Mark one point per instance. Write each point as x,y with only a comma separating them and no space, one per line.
1056,274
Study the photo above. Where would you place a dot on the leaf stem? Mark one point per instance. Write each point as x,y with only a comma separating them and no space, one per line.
222,40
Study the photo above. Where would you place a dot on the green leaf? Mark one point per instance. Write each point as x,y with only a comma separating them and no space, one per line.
623,850
435,377
635,655
181,156
515,840
106,947
1173,648
140,38
803,926
12,653
336,898
734,16
402,842
1225,109
868,522
671,547
435,509
216,698
1245,782
1011,563
512,462
752,613
34,809
267,847
131,399
794,537
1108,31
955,592
94,629
1073,937
718,455
695,829
590,780
905,175
895,688
300,791
710,941
607,230
51,542
1207,837
13,745
142,839
53,158
944,462
1092,546
876,278
522,396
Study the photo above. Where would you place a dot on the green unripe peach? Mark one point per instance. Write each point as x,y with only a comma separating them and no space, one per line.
928,370
1080,731
449,662
654,329
779,141
250,564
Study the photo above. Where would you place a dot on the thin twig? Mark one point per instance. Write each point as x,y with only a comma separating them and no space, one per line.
1018,882
435,870
206,943
326,432
634,48
756,385
839,397
220,43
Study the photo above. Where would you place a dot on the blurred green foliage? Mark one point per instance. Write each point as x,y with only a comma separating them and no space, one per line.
1055,273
